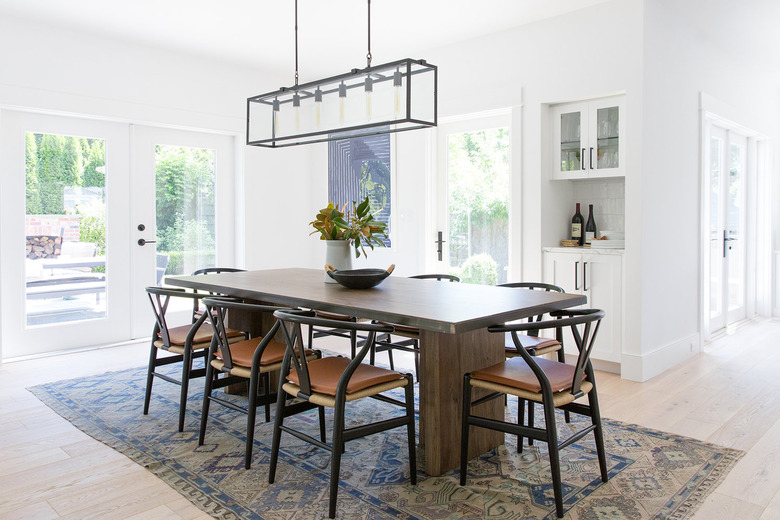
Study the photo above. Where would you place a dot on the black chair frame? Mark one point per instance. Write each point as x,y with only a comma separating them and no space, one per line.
160,298
536,286
549,434
219,307
196,310
293,359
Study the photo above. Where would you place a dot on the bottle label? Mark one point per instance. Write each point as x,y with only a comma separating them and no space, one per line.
589,235
576,230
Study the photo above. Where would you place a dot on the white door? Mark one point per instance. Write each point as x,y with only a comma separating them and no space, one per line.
80,228
64,247
727,163
472,200
183,212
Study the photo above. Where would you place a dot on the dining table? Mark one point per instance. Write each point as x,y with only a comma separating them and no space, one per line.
454,340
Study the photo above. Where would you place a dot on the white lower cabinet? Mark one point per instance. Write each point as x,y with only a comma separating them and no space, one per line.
599,276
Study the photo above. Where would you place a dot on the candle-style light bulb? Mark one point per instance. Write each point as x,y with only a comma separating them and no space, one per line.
297,110
369,90
397,84
342,100
276,115
318,105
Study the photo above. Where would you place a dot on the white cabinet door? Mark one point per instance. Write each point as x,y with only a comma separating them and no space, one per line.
589,139
606,146
600,278
602,284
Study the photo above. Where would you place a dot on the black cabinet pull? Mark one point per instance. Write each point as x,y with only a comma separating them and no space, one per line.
582,158
585,276
576,276
591,158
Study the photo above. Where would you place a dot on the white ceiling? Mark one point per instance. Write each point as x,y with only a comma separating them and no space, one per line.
332,33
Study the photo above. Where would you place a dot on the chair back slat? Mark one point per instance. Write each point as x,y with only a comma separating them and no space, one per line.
438,277
295,354
209,270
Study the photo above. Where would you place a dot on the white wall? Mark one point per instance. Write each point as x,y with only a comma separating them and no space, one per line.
679,65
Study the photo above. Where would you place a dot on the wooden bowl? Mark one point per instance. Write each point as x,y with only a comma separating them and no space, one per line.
358,278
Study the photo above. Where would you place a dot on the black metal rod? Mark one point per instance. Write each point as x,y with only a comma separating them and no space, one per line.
577,436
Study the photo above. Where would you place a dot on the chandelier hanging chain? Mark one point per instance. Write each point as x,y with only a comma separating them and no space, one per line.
296,43
368,56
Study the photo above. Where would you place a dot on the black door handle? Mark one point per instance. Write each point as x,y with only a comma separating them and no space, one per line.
439,243
142,242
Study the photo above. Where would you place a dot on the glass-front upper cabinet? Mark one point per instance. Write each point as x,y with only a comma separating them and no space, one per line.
589,139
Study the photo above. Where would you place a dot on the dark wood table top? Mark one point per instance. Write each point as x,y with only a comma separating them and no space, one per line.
426,304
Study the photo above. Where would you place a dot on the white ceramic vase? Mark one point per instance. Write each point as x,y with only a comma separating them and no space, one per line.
338,253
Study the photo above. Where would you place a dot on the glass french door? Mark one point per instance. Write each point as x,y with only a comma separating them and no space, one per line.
472,192
64,243
183,213
727,163
83,233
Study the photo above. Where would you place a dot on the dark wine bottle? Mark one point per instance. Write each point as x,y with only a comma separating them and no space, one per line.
590,227
576,226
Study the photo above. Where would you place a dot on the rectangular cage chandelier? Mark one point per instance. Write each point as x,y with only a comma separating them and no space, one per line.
394,97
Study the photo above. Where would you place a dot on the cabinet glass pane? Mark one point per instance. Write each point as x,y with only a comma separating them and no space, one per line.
571,126
608,137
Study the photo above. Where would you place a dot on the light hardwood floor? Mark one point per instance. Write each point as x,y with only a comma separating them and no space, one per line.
727,395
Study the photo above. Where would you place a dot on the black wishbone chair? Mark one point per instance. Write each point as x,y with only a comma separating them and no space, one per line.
552,383
385,343
535,345
186,343
253,359
333,382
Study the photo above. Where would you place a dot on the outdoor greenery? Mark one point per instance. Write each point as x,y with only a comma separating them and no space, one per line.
184,194
357,225
479,269
478,171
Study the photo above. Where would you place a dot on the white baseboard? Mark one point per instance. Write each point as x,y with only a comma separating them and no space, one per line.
643,367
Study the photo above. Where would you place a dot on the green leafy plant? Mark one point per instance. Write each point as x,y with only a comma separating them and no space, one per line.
357,225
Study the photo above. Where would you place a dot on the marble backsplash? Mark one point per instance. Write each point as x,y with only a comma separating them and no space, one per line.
608,197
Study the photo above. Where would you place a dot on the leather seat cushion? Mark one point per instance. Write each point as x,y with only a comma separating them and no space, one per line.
178,335
533,342
324,375
241,353
516,373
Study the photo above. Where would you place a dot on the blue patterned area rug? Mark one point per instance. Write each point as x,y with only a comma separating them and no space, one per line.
652,474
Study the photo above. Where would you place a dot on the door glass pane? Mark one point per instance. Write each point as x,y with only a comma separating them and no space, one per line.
571,128
65,229
478,205
716,243
608,137
185,205
735,225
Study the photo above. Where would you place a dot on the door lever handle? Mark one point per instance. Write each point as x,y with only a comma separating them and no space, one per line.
142,242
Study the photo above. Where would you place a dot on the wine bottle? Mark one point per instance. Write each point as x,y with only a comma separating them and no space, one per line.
590,227
576,225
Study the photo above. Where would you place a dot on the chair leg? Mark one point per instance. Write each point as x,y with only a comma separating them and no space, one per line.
311,335
417,359
336,450
530,420
464,434
251,415
267,392
555,461
353,343
598,433
204,416
185,385
150,378
321,413
281,401
410,429
390,357
520,422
